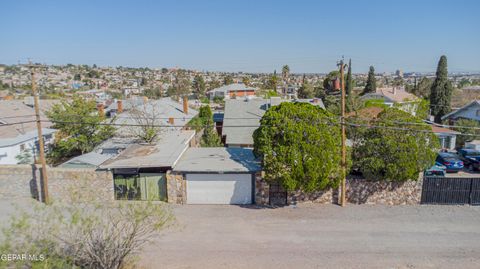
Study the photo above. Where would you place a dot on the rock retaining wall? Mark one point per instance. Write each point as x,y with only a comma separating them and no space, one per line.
64,184
360,191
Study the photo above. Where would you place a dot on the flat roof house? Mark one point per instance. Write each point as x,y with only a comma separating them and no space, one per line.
242,118
232,91
17,139
395,95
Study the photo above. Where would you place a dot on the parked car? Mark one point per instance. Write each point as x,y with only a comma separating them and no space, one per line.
470,158
450,160
437,170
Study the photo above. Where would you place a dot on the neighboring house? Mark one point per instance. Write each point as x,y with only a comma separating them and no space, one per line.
242,118
447,137
218,175
395,96
19,139
232,91
470,111
163,112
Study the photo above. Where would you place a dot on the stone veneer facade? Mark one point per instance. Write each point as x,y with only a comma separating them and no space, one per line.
358,191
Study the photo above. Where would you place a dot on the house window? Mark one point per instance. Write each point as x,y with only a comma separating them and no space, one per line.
478,113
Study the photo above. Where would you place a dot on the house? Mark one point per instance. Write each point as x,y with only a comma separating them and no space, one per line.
447,137
470,111
18,135
232,91
397,96
242,118
218,175
139,171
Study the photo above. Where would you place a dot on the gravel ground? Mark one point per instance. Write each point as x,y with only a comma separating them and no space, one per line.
319,236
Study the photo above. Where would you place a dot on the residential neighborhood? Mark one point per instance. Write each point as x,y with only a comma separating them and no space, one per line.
239,135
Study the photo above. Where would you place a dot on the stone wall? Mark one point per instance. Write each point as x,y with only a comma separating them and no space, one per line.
262,190
176,193
360,191
64,184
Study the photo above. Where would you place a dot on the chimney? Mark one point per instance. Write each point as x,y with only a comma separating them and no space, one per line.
100,109
119,106
171,121
336,84
185,105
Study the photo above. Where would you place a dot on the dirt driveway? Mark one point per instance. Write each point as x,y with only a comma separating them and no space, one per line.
320,236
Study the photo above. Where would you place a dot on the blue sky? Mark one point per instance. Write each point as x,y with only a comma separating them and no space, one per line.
247,35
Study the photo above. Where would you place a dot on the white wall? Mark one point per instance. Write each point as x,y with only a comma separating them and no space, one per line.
8,154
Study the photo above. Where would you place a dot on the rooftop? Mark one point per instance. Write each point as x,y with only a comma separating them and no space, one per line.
242,116
218,160
234,87
165,153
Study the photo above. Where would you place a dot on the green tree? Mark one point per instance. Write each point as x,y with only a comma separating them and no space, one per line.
349,80
329,79
181,85
306,90
441,93
153,92
466,126
227,80
273,81
300,147
210,137
199,86
285,77
423,88
371,85
394,151
246,81
79,129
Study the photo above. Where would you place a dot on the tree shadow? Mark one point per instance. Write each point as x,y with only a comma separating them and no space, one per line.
34,190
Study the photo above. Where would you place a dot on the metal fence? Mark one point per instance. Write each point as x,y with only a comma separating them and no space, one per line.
451,191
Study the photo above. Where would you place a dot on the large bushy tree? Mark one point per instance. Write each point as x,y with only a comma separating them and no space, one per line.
300,147
394,151
441,92
79,129
466,126
371,85
306,90
199,86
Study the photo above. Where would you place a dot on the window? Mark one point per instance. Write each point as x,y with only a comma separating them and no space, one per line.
478,113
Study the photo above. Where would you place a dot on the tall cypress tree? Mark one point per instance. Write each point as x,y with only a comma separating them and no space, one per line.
371,82
349,82
441,93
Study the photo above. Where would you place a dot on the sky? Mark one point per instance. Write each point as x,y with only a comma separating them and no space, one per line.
246,35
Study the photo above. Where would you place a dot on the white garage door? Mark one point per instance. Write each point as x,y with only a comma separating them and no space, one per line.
219,189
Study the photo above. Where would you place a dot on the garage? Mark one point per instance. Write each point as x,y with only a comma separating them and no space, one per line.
218,175
219,189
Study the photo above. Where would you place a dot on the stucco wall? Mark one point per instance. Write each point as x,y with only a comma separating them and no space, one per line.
23,181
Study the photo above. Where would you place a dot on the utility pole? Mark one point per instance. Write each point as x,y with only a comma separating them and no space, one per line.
44,176
344,138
